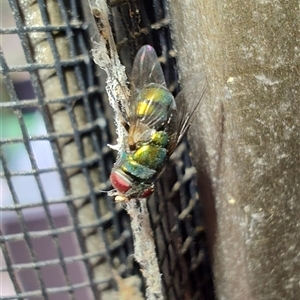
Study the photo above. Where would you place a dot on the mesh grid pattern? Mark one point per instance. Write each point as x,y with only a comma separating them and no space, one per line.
66,120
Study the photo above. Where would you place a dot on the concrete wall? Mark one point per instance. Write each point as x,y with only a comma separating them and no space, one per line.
245,140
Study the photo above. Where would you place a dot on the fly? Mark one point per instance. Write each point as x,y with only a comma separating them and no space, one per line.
153,125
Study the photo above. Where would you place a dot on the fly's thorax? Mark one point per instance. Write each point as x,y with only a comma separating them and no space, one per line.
154,103
135,171
150,155
160,138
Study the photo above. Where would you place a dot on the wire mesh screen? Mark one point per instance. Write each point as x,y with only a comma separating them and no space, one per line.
61,236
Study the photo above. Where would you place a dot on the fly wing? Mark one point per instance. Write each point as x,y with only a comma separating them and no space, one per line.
146,69
150,101
187,102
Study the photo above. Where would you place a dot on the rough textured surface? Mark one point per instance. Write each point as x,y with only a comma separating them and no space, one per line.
247,155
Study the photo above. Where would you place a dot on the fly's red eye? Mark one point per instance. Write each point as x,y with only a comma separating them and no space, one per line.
147,193
120,182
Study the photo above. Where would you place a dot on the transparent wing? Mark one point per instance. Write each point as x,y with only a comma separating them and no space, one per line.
146,69
150,101
187,104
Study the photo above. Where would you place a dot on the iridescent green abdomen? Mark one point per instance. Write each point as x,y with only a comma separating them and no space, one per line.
153,105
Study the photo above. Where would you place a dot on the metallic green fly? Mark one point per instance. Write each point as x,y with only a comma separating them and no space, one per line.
153,124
